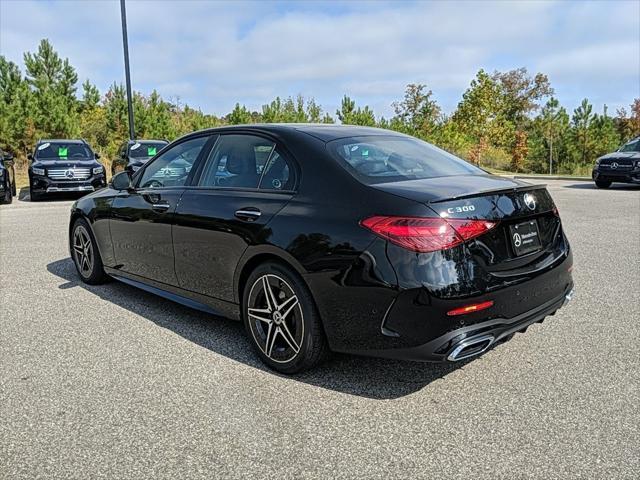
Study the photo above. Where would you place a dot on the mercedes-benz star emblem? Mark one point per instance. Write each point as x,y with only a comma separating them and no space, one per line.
517,240
614,165
530,201
69,174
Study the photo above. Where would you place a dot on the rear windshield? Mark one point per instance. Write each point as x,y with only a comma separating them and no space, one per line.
633,146
381,159
63,151
145,150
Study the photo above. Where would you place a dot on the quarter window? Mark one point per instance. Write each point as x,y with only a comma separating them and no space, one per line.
278,174
172,168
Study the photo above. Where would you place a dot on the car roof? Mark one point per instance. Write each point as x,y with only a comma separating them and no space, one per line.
65,140
147,140
322,131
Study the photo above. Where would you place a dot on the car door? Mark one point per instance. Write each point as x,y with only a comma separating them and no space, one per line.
245,180
141,218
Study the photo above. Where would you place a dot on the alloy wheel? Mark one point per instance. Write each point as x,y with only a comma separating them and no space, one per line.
83,251
275,318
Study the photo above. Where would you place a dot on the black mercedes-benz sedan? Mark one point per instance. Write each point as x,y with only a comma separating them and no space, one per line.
623,166
331,238
62,166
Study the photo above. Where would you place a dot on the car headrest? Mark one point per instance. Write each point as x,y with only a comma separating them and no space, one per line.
241,159
403,163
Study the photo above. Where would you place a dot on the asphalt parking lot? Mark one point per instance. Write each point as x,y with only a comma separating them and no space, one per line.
112,382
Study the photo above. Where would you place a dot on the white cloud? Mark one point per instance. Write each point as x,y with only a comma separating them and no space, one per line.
212,54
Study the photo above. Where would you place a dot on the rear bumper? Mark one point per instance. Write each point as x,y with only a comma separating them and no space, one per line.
470,341
629,176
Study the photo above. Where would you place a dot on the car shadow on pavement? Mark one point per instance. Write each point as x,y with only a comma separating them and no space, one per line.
592,186
366,377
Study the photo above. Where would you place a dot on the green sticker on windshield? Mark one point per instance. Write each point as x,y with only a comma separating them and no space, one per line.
151,151
62,152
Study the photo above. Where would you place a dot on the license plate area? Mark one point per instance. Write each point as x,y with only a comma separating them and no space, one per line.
525,237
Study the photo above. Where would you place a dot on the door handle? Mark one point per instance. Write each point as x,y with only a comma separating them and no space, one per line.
160,207
249,214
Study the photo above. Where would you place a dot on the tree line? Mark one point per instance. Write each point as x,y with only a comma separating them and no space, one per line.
504,120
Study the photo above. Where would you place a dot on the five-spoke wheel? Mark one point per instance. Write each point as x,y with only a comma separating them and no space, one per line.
83,251
282,320
85,254
275,318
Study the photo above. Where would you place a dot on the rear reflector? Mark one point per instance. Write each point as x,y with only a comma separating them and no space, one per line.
422,234
474,307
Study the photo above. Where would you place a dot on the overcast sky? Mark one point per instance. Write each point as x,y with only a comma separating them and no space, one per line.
212,54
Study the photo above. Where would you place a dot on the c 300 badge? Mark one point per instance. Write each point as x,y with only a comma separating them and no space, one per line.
463,209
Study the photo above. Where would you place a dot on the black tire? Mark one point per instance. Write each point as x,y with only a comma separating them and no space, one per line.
274,331
8,192
33,196
603,184
85,254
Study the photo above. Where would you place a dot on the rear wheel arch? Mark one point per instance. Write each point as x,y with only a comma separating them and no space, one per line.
250,261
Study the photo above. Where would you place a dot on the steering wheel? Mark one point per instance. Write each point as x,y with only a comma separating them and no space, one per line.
77,155
153,183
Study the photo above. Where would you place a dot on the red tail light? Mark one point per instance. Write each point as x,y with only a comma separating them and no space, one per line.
475,307
422,234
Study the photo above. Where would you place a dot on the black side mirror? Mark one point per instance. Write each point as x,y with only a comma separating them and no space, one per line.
30,157
97,156
122,181
8,156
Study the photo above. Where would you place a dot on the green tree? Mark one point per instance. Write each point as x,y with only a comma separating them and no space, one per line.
604,135
521,94
554,123
417,114
90,96
519,152
628,126
158,123
15,99
581,132
350,115
53,83
480,115
239,115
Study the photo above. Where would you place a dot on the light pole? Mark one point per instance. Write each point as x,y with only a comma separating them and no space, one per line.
125,44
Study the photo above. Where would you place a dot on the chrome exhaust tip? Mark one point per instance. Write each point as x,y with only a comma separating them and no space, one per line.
471,347
569,296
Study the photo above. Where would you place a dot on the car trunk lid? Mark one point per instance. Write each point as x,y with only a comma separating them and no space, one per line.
528,227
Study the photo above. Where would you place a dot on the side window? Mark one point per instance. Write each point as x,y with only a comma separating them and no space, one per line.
278,175
236,161
172,168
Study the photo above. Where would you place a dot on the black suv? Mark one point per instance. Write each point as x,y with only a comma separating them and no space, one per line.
132,154
623,165
64,166
7,178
